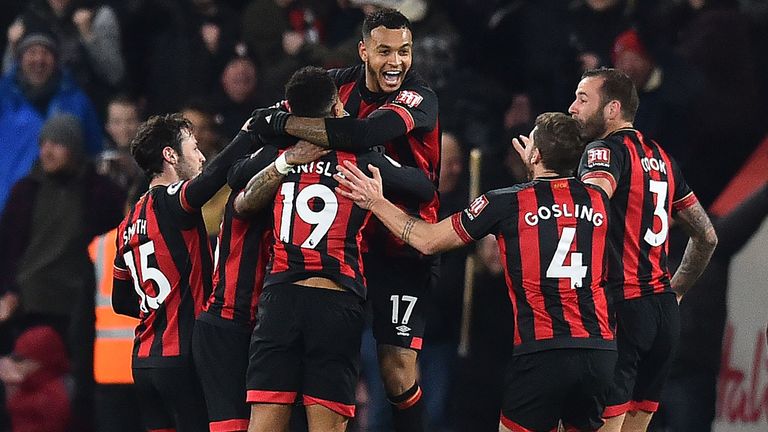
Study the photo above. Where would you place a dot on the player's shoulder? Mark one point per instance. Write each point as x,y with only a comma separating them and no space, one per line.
343,76
510,191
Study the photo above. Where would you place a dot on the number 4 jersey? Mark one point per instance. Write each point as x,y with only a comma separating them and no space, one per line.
318,232
648,186
163,247
551,234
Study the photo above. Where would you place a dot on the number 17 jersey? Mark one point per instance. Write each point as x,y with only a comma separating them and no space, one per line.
648,186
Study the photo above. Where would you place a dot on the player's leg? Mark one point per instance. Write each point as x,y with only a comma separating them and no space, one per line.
332,325
221,359
585,402
399,291
656,364
322,419
269,417
183,397
274,365
613,424
154,416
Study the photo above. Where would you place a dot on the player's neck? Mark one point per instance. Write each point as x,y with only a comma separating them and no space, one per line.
540,171
168,176
614,126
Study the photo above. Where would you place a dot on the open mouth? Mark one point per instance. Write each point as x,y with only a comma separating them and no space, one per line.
392,77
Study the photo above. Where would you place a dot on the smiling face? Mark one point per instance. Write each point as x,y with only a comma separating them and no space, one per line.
588,108
38,63
387,57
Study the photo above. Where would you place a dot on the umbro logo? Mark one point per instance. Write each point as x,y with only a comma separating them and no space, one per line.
403,330
268,118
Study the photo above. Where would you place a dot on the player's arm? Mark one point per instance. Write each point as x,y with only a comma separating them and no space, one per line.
202,188
406,110
367,193
124,300
701,245
402,179
601,166
261,189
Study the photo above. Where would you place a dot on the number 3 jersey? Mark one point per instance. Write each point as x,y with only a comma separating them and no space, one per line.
648,186
318,232
551,234
162,245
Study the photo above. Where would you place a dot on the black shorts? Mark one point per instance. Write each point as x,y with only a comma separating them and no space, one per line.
306,341
545,387
647,334
221,360
170,398
399,290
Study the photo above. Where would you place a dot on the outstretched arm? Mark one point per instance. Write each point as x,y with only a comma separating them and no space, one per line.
701,245
367,193
262,187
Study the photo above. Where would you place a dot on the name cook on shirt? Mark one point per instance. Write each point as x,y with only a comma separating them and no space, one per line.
564,210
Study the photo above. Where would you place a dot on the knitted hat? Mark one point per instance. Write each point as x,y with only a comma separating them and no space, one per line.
37,37
64,129
44,345
628,41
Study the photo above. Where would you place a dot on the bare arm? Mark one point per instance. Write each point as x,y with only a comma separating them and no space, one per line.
367,193
309,129
701,245
261,189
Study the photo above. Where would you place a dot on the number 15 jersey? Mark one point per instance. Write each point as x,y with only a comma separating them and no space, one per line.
317,232
647,187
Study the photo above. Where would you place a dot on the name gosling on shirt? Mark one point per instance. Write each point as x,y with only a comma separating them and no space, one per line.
564,210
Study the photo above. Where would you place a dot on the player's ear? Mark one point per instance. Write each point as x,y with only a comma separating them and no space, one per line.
362,51
169,155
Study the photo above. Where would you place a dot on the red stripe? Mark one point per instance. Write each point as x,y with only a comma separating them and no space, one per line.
183,198
532,266
232,265
646,405
301,230
365,109
266,396
569,297
632,223
121,274
685,202
510,287
229,425
459,228
280,259
337,407
411,401
345,90
265,252
605,175
403,113
599,234
616,410
337,235
514,427
416,343
197,241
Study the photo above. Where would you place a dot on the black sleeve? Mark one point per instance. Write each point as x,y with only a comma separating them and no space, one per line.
243,170
484,213
601,160
414,107
401,179
124,299
203,187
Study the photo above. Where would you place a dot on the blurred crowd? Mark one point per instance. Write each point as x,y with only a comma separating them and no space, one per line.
79,76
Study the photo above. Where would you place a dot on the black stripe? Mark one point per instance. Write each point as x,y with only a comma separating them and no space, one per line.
584,238
515,244
548,240
644,269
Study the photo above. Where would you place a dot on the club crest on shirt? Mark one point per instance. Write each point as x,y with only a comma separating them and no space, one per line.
476,207
409,98
598,157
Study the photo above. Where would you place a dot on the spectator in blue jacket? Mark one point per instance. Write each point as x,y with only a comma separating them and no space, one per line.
35,89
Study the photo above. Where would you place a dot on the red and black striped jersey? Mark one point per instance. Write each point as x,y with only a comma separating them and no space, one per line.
317,232
415,104
243,250
648,187
551,234
162,245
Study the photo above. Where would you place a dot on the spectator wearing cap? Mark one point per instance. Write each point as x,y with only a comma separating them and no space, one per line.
52,214
35,89
666,90
35,378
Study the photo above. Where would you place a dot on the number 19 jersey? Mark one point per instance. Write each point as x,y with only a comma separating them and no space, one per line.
648,186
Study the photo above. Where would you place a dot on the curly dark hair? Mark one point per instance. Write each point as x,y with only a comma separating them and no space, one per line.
558,138
155,134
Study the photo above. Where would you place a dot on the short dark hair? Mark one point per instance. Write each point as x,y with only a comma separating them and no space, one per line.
558,138
311,92
154,135
617,86
389,18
